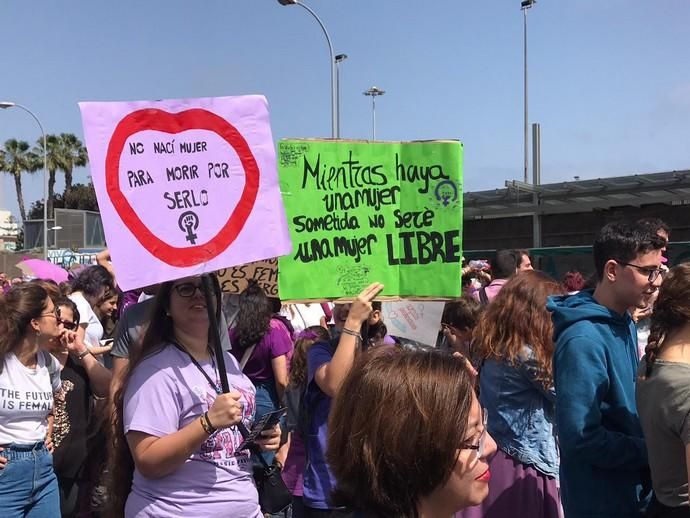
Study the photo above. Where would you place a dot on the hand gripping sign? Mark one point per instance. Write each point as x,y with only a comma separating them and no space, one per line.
185,186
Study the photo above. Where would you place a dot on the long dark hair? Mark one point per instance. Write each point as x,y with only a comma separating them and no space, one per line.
671,311
518,317
18,307
253,317
159,333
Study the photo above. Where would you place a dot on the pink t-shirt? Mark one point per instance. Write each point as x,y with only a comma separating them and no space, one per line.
165,393
491,290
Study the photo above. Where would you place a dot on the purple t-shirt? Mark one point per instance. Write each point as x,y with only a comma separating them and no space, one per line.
318,479
165,393
276,342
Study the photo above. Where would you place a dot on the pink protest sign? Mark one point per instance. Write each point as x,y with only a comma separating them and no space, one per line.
185,186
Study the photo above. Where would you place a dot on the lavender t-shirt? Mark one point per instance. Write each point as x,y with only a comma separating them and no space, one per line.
165,393
276,342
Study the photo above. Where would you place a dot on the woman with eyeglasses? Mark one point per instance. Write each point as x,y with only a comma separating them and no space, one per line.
82,377
513,342
407,437
29,380
175,431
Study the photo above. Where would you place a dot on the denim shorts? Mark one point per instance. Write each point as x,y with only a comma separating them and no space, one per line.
28,485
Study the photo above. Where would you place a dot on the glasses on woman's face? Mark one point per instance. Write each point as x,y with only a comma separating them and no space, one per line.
68,324
479,447
188,289
53,313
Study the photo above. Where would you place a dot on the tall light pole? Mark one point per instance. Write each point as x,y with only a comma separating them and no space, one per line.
338,59
373,92
334,109
9,104
524,5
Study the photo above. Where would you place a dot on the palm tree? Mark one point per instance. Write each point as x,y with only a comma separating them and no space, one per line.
54,162
17,158
73,154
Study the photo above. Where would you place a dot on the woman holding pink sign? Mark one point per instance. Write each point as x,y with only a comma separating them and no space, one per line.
176,435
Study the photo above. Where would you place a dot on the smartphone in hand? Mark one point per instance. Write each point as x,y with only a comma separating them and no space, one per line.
266,422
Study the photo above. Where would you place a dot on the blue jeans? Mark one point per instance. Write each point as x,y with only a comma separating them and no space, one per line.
266,401
28,485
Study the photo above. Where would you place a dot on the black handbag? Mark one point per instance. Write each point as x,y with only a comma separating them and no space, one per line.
274,496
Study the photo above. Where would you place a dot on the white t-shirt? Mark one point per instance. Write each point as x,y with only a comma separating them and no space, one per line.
94,329
26,398
302,316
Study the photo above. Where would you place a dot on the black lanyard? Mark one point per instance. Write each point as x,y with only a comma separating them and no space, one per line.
214,385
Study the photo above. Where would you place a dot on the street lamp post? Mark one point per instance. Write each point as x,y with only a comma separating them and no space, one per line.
338,59
9,104
373,92
335,133
524,5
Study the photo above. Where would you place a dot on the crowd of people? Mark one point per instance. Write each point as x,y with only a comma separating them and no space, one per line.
540,398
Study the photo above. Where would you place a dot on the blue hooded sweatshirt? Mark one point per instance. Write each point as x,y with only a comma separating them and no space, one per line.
603,454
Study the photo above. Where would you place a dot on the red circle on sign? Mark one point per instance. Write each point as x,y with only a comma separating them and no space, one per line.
198,119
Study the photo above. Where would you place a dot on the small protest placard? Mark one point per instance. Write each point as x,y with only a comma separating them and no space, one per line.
236,279
361,212
413,319
185,186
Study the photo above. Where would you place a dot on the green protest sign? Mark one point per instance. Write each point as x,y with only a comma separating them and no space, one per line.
360,212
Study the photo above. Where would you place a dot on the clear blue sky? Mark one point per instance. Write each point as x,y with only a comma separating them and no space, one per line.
609,80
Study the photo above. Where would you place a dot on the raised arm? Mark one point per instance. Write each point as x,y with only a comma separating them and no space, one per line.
329,377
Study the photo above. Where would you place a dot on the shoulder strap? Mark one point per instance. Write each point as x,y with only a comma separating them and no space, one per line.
483,297
52,371
245,357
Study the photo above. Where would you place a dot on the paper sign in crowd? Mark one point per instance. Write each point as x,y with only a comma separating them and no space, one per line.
265,273
185,186
361,212
414,319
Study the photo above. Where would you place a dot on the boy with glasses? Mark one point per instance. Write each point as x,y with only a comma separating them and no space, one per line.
604,470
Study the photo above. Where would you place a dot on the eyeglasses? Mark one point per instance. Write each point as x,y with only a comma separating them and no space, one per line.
70,326
50,314
652,273
187,290
479,447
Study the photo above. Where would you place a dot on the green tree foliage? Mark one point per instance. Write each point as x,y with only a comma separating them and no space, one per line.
54,161
80,196
16,158
73,155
